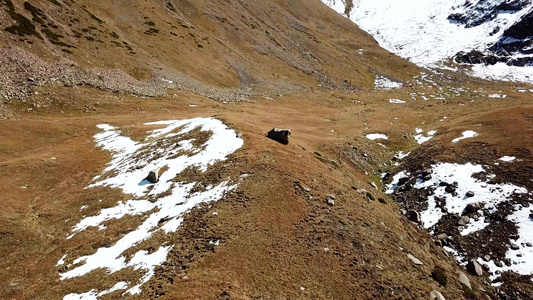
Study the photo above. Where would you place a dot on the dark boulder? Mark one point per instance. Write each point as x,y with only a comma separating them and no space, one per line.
472,208
450,189
414,216
280,135
474,268
403,180
153,176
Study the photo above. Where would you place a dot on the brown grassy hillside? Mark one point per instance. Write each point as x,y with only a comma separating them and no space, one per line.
67,66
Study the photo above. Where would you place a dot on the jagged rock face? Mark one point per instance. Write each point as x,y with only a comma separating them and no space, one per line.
486,10
516,44
514,47
523,29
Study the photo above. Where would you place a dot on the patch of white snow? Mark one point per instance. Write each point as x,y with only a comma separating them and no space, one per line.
466,135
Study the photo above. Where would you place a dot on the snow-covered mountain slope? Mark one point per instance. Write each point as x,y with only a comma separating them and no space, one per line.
494,36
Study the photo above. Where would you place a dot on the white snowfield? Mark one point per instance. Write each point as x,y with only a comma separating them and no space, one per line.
488,194
419,31
162,204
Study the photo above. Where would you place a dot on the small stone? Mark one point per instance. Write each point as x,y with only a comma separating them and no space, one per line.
370,197
435,295
528,244
443,183
413,215
280,135
486,258
470,194
449,189
185,277
374,185
463,221
415,260
330,199
498,264
474,268
153,176
464,280
507,262
514,247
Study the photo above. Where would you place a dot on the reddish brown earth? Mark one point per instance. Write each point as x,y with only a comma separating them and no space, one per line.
285,64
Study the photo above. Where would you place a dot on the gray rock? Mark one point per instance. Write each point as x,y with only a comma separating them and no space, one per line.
415,260
153,176
442,236
280,135
413,215
470,194
528,244
435,295
474,268
498,264
464,280
486,257
374,185
514,247
463,221
330,199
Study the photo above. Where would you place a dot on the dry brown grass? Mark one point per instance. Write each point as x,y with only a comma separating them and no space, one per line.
273,235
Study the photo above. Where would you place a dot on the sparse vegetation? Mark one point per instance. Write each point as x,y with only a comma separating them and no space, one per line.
255,65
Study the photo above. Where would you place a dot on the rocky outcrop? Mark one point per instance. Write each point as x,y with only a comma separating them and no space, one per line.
516,44
485,11
514,47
